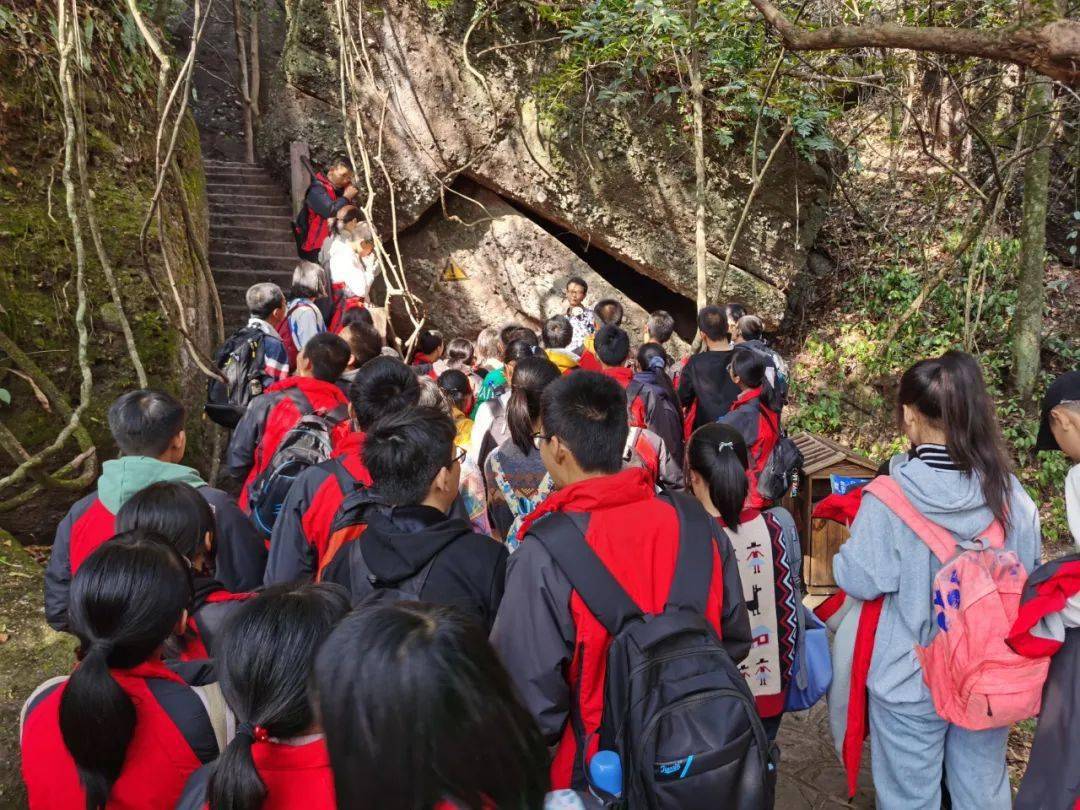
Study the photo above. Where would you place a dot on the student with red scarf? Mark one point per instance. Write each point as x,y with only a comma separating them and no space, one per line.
299,543
273,414
123,730
758,424
552,645
176,512
278,758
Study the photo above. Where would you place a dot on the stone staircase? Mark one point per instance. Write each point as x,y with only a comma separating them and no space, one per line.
251,236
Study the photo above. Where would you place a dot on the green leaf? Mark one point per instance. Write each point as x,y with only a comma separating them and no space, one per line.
5,396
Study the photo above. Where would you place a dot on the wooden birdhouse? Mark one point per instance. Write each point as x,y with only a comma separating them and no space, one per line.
825,464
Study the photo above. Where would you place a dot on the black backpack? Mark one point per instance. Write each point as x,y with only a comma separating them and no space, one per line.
368,589
306,445
782,468
240,360
676,708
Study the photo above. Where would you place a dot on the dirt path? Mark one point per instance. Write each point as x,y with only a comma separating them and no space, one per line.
810,774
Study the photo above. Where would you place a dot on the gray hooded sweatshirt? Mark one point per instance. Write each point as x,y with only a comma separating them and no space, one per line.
884,557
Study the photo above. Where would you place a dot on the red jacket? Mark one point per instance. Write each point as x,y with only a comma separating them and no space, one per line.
624,375
302,532
173,737
760,428
319,206
239,561
210,608
294,775
273,414
554,648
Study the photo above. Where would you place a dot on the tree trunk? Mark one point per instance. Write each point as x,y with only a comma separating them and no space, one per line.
696,99
256,62
1030,288
245,82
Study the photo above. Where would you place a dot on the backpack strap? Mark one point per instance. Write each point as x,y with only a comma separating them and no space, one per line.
694,565
563,535
300,400
941,542
633,391
415,583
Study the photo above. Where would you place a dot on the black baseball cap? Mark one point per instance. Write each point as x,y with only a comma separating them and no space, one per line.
1064,389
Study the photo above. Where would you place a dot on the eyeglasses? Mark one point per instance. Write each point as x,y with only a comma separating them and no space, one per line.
537,438
458,456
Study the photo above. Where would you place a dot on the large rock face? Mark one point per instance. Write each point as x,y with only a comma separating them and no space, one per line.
503,268
625,183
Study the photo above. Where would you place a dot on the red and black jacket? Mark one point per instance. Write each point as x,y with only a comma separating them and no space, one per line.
320,203
298,545
760,428
1052,780
210,607
269,417
554,648
173,738
295,775
239,560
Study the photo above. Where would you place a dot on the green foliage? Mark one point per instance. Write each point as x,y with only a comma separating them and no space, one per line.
857,352
634,54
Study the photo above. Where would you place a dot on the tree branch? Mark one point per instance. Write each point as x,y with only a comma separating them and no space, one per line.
1052,49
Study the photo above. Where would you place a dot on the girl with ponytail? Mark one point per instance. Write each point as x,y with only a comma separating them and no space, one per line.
278,758
123,730
958,477
767,548
514,474
182,516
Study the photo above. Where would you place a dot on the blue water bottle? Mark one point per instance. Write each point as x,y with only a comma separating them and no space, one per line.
605,773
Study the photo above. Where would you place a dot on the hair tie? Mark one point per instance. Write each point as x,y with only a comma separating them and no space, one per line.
101,646
720,448
252,732
656,363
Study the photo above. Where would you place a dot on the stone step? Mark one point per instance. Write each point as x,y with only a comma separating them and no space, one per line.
275,247
233,198
256,260
223,221
232,179
230,164
258,186
249,209
279,232
246,276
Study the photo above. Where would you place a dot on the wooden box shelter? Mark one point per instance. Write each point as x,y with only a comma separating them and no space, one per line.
821,539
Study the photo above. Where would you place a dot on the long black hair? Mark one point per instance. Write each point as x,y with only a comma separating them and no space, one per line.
652,357
174,510
126,599
717,453
531,376
951,393
417,708
268,649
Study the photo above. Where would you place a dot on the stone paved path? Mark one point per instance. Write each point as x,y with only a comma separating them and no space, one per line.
811,777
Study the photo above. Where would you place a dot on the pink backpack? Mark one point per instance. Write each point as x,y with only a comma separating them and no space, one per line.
976,680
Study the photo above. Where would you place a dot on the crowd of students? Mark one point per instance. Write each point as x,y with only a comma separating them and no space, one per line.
400,628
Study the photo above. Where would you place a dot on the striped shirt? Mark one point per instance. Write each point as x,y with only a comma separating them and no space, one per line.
275,358
936,456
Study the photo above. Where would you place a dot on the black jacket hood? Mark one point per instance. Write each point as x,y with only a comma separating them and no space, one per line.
400,541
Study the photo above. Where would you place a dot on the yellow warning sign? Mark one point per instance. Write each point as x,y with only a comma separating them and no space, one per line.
453,272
